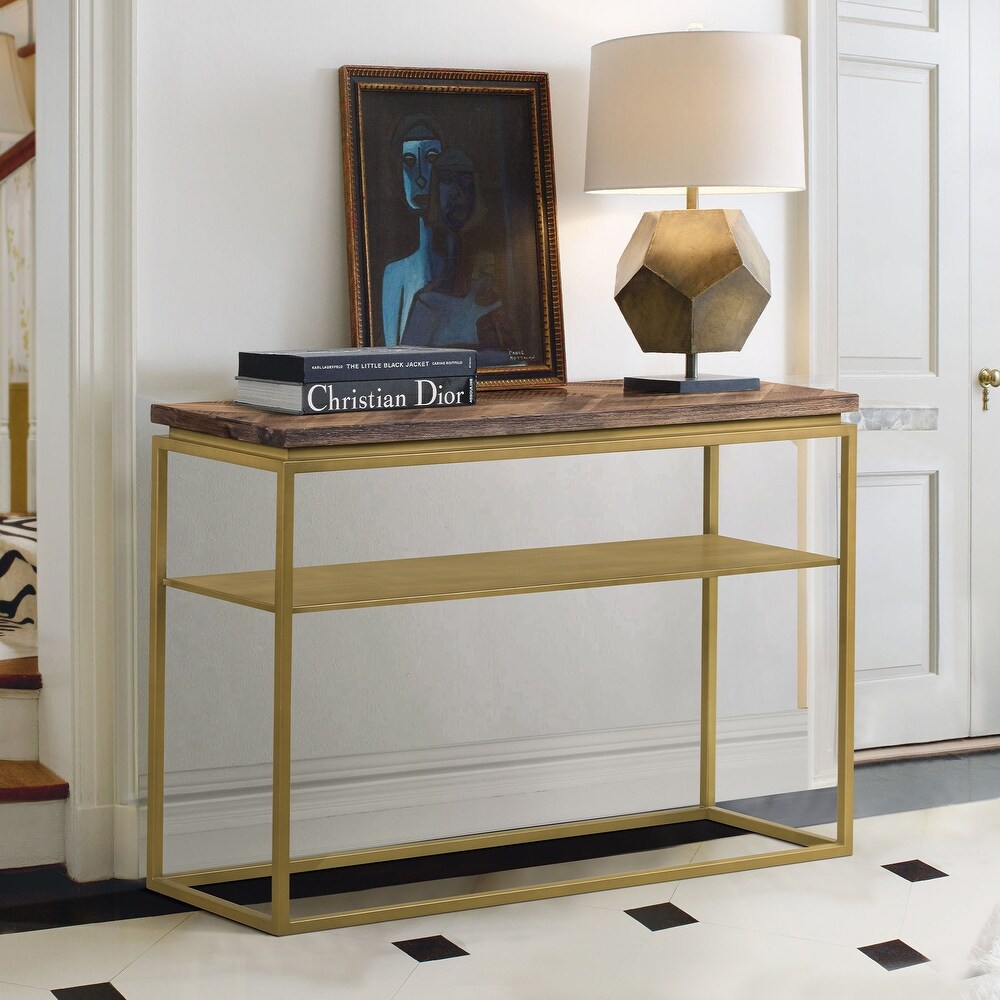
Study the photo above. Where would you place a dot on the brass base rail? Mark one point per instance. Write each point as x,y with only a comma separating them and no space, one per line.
810,847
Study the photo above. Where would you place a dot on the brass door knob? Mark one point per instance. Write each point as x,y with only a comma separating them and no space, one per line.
989,378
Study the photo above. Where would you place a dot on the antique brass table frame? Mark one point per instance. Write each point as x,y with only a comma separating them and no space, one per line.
707,557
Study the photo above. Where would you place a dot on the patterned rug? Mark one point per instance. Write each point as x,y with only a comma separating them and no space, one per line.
18,579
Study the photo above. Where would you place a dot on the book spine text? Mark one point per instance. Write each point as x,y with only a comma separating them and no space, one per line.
388,394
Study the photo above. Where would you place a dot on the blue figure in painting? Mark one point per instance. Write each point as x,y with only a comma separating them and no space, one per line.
418,140
460,306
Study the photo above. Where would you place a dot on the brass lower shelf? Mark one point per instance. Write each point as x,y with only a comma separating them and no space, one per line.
494,574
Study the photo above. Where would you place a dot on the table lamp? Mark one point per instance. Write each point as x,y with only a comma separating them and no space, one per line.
681,112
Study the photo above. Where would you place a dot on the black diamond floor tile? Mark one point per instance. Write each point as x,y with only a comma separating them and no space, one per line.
661,916
96,991
430,949
893,955
915,871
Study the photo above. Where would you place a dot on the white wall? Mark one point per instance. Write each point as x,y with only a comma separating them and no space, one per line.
240,194
240,246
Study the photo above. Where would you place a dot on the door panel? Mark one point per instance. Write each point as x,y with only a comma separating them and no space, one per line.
909,13
888,196
897,575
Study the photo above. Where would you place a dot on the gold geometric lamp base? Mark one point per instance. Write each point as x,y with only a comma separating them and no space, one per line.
692,282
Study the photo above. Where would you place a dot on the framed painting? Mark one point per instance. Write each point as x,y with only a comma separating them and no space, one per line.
451,217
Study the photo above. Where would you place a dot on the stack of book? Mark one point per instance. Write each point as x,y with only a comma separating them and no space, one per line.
349,379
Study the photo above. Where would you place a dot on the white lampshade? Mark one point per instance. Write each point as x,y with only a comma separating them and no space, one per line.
716,110
15,121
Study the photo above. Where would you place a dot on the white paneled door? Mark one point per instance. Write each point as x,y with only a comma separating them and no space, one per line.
917,180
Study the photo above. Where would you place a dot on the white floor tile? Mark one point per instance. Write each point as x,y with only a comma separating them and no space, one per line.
964,837
727,963
544,950
76,956
629,898
735,847
609,899
841,901
945,916
886,839
404,930
10,992
209,958
391,895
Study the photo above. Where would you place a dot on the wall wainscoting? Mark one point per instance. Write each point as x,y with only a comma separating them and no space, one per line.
222,815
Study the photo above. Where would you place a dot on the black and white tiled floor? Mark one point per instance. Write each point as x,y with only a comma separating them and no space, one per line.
908,916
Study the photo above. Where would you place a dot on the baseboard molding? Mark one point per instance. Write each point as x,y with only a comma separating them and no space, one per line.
90,842
220,816
130,857
919,751
102,842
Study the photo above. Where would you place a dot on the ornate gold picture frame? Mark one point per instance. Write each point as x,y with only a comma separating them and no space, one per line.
451,217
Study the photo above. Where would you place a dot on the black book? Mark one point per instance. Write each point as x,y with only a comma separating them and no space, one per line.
355,396
355,364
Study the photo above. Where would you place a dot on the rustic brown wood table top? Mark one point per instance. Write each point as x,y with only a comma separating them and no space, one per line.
577,406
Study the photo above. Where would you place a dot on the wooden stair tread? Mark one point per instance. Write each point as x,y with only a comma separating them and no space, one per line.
20,673
30,781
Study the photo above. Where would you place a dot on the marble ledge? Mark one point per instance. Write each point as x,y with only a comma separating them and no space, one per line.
895,418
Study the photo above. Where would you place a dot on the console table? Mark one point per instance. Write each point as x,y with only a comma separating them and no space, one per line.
582,418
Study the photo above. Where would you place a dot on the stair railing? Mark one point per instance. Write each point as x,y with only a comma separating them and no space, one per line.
12,160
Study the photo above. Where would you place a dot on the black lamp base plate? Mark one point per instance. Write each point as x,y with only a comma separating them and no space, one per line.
700,383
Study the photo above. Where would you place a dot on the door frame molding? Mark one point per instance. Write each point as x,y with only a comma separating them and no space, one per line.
984,301
86,449
822,65
823,75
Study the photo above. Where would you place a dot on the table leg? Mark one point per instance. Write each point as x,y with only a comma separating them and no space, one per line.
845,632
282,763
157,658
709,632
